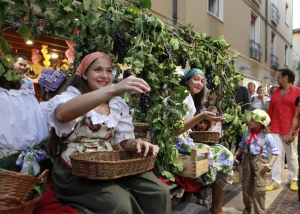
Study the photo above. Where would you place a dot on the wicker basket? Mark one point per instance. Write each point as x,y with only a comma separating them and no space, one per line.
19,185
13,205
103,165
140,127
205,136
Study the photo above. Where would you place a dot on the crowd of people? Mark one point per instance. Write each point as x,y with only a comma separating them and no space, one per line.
88,113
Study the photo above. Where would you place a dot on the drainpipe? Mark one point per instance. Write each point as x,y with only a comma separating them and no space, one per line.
175,17
266,32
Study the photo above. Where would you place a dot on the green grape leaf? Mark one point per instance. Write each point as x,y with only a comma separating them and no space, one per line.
174,43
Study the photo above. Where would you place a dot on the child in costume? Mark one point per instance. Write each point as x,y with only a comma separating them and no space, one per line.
255,144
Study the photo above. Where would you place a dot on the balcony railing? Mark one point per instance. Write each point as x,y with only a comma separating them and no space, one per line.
258,1
274,62
275,14
255,50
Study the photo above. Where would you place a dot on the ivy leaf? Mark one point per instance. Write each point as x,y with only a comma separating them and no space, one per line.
180,166
174,43
132,10
24,31
2,70
11,75
168,175
4,44
138,22
146,4
68,9
71,15
95,3
104,26
87,4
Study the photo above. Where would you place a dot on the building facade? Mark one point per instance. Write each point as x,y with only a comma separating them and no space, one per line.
296,53
260,30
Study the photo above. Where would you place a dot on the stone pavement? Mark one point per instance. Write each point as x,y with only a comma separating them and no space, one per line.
280,201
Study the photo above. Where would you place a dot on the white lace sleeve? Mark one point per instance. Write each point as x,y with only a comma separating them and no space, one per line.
61,128
124,129
192,110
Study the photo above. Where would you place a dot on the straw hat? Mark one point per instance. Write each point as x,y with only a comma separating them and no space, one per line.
265,118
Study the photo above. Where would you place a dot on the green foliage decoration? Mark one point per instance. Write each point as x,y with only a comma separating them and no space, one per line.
91,23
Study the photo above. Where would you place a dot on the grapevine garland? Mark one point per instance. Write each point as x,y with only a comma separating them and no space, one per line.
132,36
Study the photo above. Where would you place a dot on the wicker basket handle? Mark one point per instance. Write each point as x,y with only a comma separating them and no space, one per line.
43,175
11,198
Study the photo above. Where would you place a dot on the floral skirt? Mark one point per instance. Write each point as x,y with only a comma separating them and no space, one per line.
219,157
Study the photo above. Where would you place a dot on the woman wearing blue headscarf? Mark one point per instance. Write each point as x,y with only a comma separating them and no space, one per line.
220,174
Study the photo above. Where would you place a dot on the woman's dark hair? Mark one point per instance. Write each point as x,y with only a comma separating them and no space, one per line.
197,98
56,143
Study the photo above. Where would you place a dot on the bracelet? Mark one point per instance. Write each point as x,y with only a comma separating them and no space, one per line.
269,166
135,142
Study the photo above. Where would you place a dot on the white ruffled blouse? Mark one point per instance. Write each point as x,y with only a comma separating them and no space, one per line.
92,131
22,124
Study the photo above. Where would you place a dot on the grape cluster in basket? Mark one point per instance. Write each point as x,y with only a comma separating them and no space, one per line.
144,102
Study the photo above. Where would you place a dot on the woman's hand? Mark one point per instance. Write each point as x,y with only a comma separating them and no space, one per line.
147,147
130,84
211,116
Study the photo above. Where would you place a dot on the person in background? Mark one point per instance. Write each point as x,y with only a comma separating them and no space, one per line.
23,130
256,144
281,111
252,89
215,126
203,125
202,196
51,81
91,115
271,90
260,101
242,99
20,66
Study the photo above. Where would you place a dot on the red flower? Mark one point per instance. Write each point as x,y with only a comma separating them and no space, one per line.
75,32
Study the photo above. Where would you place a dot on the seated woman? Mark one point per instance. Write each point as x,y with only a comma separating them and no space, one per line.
90,115
220,173
22,130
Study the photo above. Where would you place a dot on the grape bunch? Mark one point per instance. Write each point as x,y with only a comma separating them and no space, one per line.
120,46
144,102
168,50
182,63
209,79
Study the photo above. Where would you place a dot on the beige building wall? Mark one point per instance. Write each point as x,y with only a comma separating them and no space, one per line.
235,26
296,53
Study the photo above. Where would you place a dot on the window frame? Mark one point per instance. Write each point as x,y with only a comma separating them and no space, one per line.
218,5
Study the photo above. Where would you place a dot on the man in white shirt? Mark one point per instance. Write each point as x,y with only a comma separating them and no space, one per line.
251,89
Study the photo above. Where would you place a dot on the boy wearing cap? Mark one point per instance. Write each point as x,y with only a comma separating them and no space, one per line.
255,144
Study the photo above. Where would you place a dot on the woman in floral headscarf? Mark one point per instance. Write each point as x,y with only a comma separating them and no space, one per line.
220,172
90,115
